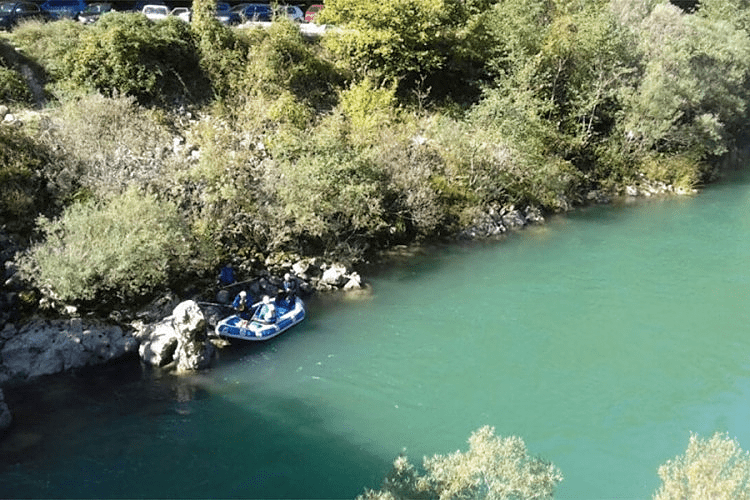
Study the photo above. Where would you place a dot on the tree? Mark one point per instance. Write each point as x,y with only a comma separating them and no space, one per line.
715,468
391,39
494,467
692,97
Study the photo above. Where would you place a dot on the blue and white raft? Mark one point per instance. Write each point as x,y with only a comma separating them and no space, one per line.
256,329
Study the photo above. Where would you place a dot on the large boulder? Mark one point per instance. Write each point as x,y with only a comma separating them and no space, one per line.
179,341
335,276
44,347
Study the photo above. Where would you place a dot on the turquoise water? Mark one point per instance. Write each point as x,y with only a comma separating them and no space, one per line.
603,338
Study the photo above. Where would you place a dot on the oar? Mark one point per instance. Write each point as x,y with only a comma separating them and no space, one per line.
213,304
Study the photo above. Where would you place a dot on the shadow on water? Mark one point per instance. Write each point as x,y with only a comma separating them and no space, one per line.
122,431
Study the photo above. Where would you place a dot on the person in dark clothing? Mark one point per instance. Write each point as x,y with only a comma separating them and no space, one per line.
243,305
290,289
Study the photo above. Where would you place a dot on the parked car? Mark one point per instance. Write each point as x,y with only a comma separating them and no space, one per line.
238,8
155,12
226,15
257,12
11,13
293,12
181,12
140,4
93,12
312,12
60,9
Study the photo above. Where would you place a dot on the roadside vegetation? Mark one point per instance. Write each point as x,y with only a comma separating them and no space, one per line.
403,124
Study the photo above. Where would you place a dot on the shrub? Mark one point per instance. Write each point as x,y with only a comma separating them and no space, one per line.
127,54
221,190
12,87
368,108
325,194
715,468
117,250
389,39
681,171
415,203
109,142
48,44
222,54
493,467
24,191
280,65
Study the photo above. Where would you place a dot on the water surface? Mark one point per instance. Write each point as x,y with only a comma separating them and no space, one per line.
603,338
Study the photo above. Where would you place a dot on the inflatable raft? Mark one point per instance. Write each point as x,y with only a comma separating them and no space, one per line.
256,329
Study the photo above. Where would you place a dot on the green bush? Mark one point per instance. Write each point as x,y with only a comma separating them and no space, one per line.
682,172
416,203
109,143
126,54
325,193
368,108
48,44
222,54
221,191
24,193
118,250
391,39
281,65
12,87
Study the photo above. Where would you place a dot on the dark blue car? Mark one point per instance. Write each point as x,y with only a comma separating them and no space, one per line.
226,15
257,12
11,13
60,9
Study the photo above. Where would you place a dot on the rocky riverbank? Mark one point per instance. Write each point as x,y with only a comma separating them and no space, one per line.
169,334
174,333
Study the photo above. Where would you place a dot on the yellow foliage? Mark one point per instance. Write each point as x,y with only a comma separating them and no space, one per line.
715,468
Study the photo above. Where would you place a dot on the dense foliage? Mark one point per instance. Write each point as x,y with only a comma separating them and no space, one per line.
24,190
13,88
710,468
500,468
122,249
125,53
493,467
407,121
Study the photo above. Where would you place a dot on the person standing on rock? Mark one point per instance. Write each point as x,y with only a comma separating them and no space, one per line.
290,290
243,305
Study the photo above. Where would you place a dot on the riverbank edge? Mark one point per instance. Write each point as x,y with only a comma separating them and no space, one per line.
313,275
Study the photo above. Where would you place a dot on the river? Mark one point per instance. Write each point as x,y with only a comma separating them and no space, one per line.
603,338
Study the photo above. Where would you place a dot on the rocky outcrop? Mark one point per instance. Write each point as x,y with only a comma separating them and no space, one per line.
178,342
43,347
496,221
645,187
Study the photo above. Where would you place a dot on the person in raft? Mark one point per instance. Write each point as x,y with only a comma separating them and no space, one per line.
243,305
267,311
